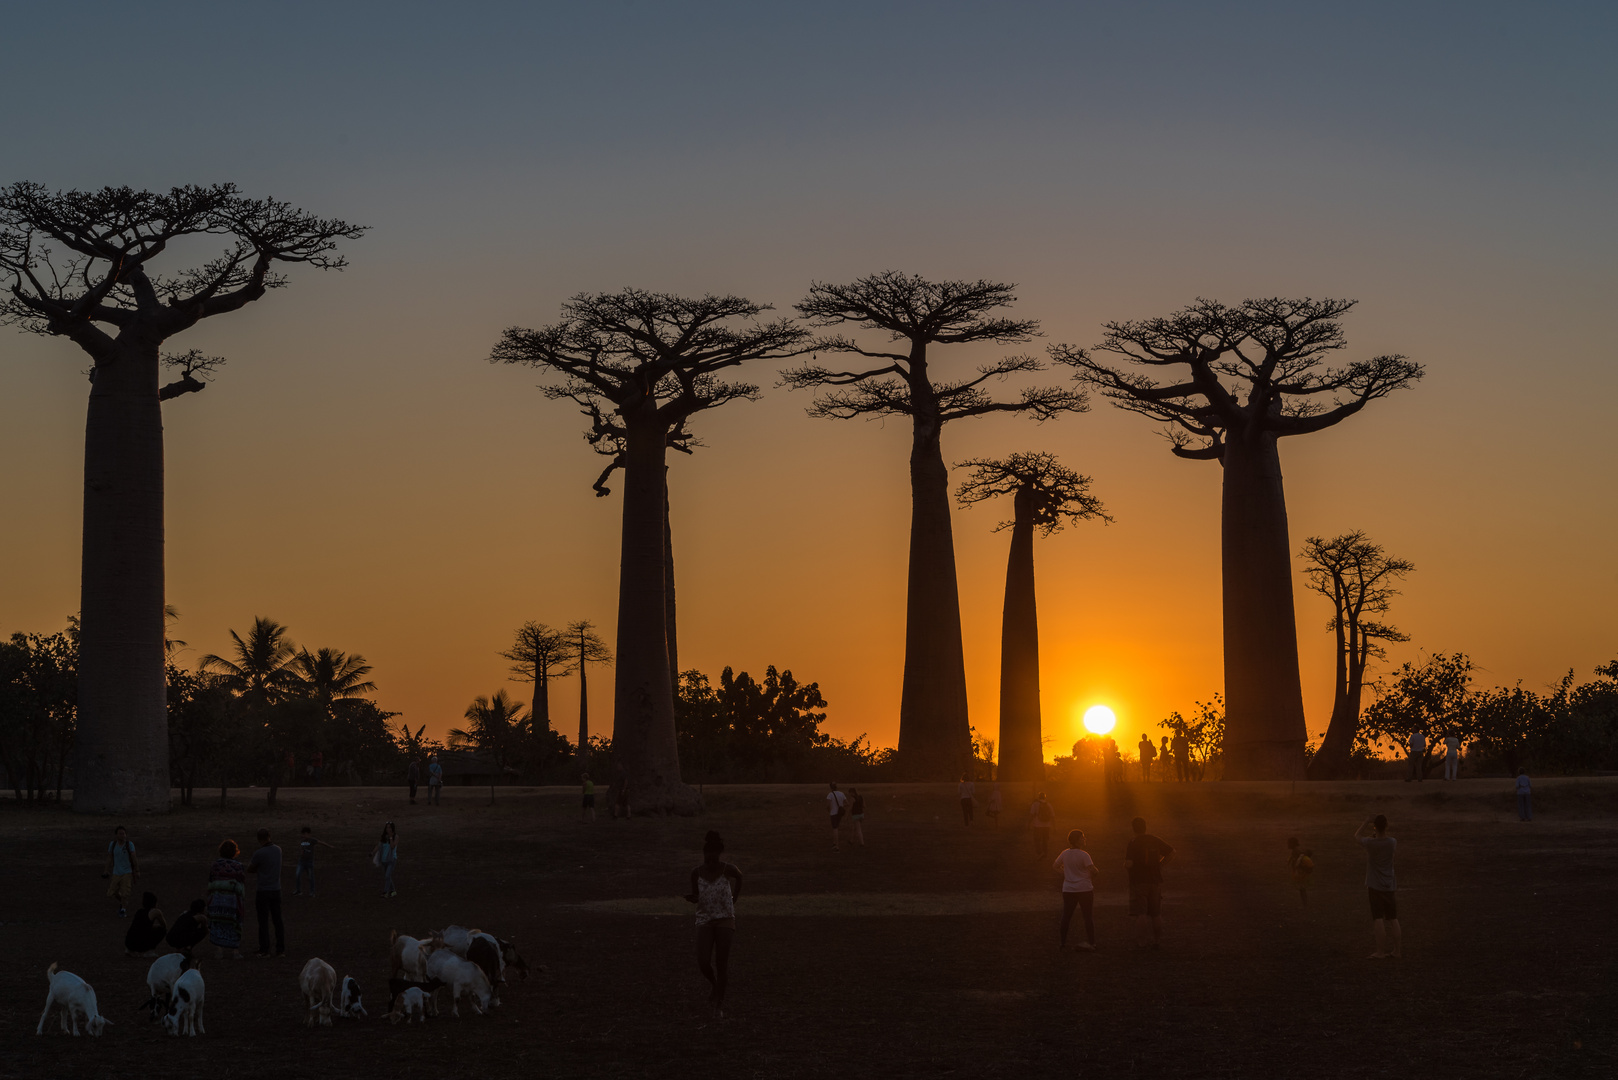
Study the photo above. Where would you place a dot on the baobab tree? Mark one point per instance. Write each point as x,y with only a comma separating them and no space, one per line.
1045,496
539,654
1359,578
83,265
935,740
588,648
1237,381
653,360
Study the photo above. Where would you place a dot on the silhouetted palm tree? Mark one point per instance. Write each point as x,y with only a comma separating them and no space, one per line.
495,725
329,674
262,671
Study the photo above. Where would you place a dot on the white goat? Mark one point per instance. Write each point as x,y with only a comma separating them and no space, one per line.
410,1006
185,1006
160,978
319,984
460,977
73,998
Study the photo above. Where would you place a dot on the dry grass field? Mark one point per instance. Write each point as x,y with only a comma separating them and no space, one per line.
929,952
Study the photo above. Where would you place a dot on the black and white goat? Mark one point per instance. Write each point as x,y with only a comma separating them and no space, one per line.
160,979
185,1005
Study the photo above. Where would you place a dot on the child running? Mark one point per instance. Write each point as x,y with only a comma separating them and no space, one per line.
1302,865
1078,888
306,861
715,888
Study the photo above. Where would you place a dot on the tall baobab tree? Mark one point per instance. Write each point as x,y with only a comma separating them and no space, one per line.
935,740
1045,495
83,265
653,360
1236,381
1360,579
588,648
539,654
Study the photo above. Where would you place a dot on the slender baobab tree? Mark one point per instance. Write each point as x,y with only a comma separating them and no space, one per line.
588,648
654,361
1237,381
539,654
83,265
1045,496
1359,578
935,740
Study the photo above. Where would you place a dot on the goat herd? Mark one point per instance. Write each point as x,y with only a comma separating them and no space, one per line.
467,964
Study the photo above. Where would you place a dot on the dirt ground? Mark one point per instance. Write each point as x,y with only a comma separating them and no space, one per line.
929,952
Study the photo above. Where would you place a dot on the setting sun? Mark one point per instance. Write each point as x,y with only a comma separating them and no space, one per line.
1099,719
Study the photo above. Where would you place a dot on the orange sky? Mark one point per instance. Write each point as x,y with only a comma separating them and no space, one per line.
360,473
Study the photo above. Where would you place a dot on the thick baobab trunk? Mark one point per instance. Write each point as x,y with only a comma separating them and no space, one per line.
672,629
122,763
643,736
1022,750
1331,760
935,737
542,698
1264,722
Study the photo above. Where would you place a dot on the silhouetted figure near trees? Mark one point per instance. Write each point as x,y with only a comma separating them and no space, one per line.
935,741
652,361
1239,379
1358,577
1045,496
79,265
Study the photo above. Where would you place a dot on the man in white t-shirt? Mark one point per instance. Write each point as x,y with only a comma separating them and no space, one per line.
836,802
1078,872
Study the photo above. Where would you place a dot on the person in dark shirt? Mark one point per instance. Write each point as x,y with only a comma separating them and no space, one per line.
190,929
1145,857
147,930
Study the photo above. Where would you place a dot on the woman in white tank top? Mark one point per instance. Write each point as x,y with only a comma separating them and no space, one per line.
715,887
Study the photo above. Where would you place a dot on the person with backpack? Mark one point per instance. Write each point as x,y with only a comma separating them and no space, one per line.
122,870
1144,858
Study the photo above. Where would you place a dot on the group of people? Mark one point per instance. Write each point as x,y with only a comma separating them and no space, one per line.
435,779
220,917
1173,756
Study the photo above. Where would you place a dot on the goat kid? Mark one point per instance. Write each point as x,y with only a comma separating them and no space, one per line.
72,997
410,1006
185,1005
351,1007
319,984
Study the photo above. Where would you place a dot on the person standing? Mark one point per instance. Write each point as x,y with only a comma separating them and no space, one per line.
227,894
1165,757
856,814
1041,816
967,793
1182,756
1145,856
1380,886
715,887
435,780
122,869
836,803
386,857
588,812
1078,872
1452,757
1147,753
1418,755
995,804
306,861
1301,865
413,778
266,864
1525,796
